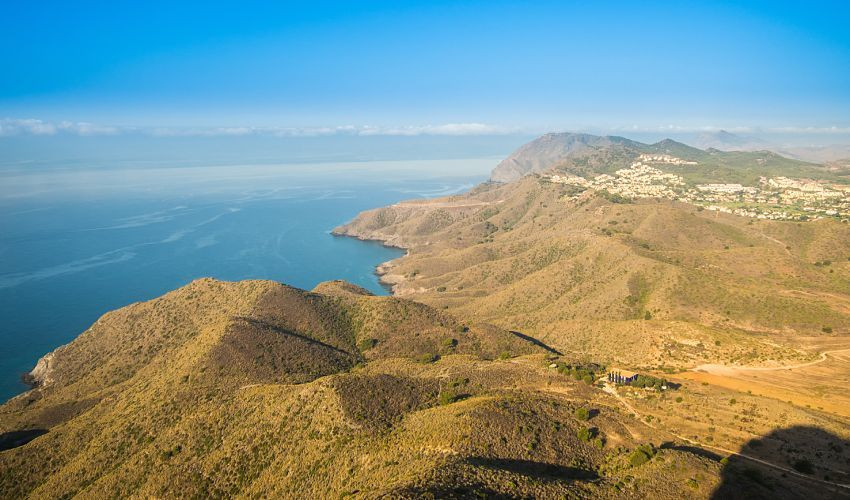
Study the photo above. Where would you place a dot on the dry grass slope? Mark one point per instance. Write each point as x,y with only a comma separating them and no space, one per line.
589,275
258,389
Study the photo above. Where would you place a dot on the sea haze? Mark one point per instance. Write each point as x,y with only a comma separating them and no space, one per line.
76,241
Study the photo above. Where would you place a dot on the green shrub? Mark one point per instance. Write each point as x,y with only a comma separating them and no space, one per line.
588,379
504,355
441,289
448,397
450,343
458,382
582,413
367,344
641,455
613,197
679,399
827,329
586,433
429,357
638,458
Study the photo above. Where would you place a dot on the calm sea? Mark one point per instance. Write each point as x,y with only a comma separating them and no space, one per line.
76,241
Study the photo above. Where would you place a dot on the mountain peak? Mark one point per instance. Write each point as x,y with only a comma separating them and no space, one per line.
675,148
727,141
549,150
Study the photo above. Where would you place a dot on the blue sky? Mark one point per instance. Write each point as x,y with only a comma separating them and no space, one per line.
417,66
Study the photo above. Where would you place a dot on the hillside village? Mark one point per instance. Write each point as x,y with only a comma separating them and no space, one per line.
775,198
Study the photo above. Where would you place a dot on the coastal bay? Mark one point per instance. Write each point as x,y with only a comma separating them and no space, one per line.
119,243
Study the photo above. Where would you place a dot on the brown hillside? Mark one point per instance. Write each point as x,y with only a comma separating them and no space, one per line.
584,273
257,389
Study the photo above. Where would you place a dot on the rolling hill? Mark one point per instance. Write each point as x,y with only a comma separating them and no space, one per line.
734,308
652,282
258,389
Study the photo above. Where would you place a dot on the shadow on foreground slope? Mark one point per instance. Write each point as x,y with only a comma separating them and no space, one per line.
817,464
13,439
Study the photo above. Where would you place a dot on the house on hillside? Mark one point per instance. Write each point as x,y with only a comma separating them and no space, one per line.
618,376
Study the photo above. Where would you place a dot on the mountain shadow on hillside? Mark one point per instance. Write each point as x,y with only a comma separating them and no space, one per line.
817,463
540,471
537,342
13,439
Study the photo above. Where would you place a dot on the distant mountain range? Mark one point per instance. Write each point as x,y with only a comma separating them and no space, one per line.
550,150
581,152
727,141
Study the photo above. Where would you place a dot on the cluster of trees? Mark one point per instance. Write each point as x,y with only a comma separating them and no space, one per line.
649,381
614,197
591,435
585,374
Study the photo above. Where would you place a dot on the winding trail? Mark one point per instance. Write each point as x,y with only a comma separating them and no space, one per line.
613,391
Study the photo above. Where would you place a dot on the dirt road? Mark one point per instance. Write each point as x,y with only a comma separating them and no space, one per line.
715,369
613,391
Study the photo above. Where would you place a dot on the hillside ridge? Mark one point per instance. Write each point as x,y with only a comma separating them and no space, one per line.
585,154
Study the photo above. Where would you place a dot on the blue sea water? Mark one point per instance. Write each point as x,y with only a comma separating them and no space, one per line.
76,241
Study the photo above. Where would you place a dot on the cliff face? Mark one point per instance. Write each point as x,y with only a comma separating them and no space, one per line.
41,374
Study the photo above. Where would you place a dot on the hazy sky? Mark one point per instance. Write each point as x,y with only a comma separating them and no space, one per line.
413,67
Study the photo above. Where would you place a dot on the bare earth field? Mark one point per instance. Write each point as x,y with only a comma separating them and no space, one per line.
817,384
